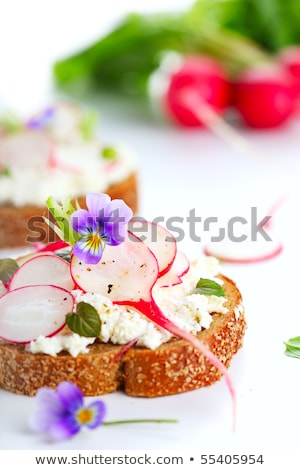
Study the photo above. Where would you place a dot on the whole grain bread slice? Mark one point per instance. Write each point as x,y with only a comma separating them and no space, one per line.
172,368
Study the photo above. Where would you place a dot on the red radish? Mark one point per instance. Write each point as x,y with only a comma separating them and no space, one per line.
158,239
31,311
126,274
43,269
263,96
180,266
26,149
290,59
207,80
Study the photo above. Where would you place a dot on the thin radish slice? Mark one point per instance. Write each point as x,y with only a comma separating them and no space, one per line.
43,269
26,149
126,274
233,253
31,311
180,266
250,251
158,239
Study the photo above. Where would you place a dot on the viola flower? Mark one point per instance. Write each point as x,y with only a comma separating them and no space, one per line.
61,413
105,222
40,121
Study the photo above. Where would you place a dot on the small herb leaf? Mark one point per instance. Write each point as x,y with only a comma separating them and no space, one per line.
293,347
109,153
7,268
208,287
85,322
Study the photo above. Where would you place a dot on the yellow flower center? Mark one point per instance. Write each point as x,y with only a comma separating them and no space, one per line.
94,241
85,416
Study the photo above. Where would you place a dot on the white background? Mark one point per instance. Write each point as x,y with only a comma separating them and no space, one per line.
179,170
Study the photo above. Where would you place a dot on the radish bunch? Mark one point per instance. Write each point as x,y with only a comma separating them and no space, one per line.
196,90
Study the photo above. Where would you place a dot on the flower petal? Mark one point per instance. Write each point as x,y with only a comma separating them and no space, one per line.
70,396
99,411
64,428
89,255
121,210
81,221
96,203
49,409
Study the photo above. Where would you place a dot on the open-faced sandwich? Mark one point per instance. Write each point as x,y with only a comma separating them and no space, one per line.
56,152
115,306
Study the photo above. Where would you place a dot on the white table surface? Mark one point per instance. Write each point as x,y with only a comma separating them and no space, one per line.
179,170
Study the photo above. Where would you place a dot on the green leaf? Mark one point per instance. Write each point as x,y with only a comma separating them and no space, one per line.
5,171
85,322
109,153
208,287
88,125
61,213
293,347
7,268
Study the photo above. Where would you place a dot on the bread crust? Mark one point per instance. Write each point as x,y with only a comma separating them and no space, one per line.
172,368
17,231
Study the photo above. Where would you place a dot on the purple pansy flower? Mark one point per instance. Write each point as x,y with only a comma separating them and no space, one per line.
61,413
105,222
40,121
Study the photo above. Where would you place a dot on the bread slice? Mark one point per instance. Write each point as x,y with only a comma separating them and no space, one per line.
17,231
172,368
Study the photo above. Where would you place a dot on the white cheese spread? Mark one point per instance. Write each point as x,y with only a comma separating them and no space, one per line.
121,324
81,170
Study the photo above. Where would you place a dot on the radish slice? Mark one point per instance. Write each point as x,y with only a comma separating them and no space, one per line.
180,266
158,239
126,274
250,251
43,269
230,252
26,149
31,311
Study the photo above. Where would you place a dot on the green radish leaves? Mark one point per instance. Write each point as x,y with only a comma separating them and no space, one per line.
293,347
208,287
85,322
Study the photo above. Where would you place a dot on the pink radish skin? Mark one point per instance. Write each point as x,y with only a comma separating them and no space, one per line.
158,239
43,269
209,251
126,274
205,77
290,59
55,246
179,268
263,96
31,311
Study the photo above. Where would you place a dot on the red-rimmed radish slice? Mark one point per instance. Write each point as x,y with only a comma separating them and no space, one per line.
180,266
254,252
125,271
43,269
31,311
249,250
26,149
126,274
158,239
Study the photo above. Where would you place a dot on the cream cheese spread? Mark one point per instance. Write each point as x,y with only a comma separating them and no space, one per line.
121,324
53,155
87,172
